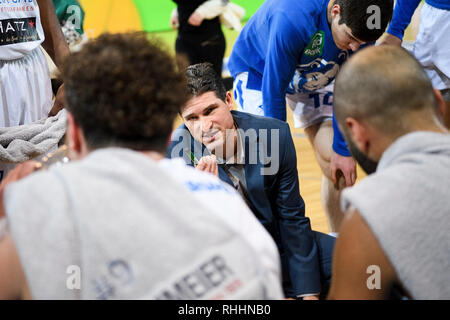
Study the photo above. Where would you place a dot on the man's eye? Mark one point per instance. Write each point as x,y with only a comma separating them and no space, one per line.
208,111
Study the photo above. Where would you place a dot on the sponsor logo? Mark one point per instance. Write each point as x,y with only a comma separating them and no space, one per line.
197,284
17,6
315,47
18,30
14,2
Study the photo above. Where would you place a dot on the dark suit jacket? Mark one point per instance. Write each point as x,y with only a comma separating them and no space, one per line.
275,198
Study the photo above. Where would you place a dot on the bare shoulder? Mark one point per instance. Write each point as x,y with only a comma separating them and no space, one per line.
12,282
361,269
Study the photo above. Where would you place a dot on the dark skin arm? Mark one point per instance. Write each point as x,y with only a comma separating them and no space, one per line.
13,283
356,249
55,45
389,39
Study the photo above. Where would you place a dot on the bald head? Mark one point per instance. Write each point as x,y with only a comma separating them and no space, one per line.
386,88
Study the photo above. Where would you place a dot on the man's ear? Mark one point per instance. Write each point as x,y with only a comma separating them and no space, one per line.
74,135
447,114
335,10
358,132
440,102
443,107
229,100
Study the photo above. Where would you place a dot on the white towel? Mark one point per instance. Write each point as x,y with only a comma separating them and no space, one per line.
230,14
25,142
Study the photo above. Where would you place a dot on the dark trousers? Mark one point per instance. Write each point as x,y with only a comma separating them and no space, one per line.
202,49
325,247
325,244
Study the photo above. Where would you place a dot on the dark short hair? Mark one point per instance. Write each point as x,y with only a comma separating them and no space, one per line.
124,90
387,88
202,78
356,14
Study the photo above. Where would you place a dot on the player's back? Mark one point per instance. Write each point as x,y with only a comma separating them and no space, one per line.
406,205
138,229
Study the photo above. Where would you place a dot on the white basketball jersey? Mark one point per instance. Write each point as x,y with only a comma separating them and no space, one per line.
20,28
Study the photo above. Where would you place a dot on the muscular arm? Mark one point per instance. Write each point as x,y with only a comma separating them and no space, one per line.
285,45
355,251
341,161
339,143
403,12
12,280
55,43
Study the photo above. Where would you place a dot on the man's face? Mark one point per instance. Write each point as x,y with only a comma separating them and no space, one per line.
342,35
209,119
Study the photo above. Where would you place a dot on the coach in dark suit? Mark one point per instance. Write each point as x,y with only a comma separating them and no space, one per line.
256,155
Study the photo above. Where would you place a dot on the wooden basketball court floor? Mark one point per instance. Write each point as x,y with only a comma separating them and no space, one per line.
310,178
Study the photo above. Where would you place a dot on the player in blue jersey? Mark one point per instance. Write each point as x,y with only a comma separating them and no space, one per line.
432,46
292,50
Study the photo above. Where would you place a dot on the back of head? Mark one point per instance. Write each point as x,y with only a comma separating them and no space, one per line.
387,88
367,19
123,90
202,78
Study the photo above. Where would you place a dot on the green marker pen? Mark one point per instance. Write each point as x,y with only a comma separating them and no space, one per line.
192,156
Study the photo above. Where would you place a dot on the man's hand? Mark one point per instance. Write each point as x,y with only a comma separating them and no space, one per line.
174,22
305,298
311,298
195,19
21,171
391,40
59,103
345,166
208,164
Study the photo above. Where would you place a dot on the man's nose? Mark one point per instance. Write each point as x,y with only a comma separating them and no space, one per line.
206,124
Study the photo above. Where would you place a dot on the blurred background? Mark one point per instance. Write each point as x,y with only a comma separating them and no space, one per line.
151,16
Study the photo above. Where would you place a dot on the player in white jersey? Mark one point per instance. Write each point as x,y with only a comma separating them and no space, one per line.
130,224
25,92
432,45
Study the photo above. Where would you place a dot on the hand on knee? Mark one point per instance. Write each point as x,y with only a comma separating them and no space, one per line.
341,166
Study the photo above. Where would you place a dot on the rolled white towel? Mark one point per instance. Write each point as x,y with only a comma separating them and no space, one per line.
25,142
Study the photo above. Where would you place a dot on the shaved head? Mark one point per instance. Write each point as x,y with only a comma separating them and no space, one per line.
386,88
